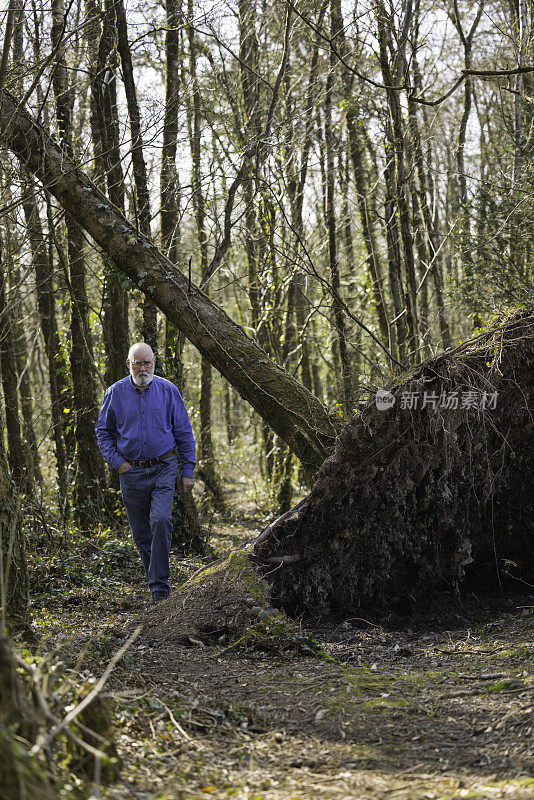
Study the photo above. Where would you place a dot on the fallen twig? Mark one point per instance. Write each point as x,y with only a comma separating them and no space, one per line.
71,716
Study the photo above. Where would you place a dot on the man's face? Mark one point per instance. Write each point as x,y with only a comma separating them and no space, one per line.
141,367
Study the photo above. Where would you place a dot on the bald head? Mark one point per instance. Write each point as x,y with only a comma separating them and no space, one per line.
141,364
140,350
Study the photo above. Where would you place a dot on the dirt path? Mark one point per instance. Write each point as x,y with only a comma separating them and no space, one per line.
381,714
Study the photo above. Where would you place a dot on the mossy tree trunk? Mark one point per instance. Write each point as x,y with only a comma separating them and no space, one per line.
16,450
149,328
13,568
89,477
44,281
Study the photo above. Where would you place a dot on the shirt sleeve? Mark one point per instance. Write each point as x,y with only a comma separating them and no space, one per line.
183,436
106,432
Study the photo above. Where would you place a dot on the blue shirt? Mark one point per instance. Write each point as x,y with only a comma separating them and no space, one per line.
135,424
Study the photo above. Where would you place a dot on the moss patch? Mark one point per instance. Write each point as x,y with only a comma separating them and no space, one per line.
280,636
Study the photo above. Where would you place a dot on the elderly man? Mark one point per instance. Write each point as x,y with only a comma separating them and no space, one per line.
141,425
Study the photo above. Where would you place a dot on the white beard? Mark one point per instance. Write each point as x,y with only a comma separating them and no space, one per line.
141,379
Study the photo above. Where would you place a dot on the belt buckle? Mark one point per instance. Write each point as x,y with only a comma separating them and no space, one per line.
144,462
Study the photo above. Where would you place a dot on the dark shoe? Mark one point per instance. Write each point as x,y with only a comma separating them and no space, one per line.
157,597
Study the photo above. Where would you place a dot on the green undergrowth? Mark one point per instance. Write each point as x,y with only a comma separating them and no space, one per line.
62,566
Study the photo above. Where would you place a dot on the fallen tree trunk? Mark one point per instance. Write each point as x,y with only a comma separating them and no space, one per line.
293,412
420,499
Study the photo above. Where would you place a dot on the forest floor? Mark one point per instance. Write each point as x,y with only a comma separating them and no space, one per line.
427,711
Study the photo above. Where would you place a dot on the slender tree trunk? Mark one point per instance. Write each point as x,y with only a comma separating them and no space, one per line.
26,399
367,217
14,597
89,473
337,306
279,457
349,259
206,441
433,248
396,132
523,31
394,253
248,53
61,355
26,392
142,197
16,450
187,529
108,165
169,181
296,180
266,329
229,415
44,282
464,214
14,580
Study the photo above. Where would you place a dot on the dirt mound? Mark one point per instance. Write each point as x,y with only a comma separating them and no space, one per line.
216,606
431,491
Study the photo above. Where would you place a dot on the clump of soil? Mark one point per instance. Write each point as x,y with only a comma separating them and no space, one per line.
216,606
420,498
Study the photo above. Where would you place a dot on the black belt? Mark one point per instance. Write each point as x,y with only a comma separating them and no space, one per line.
149,462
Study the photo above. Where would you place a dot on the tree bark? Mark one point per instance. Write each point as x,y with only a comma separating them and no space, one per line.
293,412
331,226
522,25
47,315
394,252
367,217
25,389
26,399
463,210
142,196
89,472
395,129
207,456
108,166
169,187
14,581
296,175
16,449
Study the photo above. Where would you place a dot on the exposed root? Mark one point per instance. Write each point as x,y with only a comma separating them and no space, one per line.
425,496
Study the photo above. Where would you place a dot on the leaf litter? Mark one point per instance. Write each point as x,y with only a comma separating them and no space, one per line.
212,701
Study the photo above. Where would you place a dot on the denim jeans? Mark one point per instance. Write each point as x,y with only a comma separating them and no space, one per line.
147,493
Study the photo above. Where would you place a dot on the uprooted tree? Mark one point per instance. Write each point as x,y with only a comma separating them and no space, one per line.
416,500
411,499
